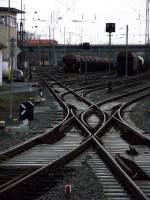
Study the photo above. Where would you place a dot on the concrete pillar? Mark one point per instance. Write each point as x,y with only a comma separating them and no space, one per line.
0,67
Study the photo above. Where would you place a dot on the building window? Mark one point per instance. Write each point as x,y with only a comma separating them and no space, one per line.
13,21
2,20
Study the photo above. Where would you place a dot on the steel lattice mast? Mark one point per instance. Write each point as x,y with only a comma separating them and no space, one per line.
147,39
147,42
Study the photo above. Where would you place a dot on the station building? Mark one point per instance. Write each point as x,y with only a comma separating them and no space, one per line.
8,28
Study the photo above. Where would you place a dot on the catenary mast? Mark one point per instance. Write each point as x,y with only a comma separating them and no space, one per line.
147,23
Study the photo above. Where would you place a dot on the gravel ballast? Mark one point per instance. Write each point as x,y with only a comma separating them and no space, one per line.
84,185
140,114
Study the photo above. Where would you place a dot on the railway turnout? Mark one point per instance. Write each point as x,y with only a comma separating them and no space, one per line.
92,133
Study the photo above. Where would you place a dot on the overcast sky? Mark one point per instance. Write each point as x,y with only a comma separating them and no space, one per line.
84,20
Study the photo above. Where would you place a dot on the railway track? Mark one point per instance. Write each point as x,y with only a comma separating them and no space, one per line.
44,153
89,135
111,187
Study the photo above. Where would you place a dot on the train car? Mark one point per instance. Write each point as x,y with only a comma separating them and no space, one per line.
76,63
135,63
71,63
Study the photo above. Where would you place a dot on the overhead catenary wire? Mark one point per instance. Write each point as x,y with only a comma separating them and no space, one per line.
128,5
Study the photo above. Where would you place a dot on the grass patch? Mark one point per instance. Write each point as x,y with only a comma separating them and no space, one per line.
3,88
17,100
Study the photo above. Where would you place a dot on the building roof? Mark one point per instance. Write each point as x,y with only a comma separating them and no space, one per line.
36,42
12,10
2,46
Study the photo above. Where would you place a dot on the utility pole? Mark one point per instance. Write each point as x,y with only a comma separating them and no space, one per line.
126,68
12,55
64,40
9,60
85,77
147,39
49,28
9,33
21,39
86,46
147,23
54,49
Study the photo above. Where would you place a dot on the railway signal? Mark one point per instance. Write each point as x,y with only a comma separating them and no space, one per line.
86,46
26,110
23,111
110,27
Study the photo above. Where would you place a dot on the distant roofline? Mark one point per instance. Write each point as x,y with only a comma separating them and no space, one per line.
45,42
13,10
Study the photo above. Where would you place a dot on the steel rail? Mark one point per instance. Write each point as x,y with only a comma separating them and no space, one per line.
126,180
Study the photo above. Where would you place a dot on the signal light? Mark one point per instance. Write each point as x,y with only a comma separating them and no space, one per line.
86,45
110,27
67,188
